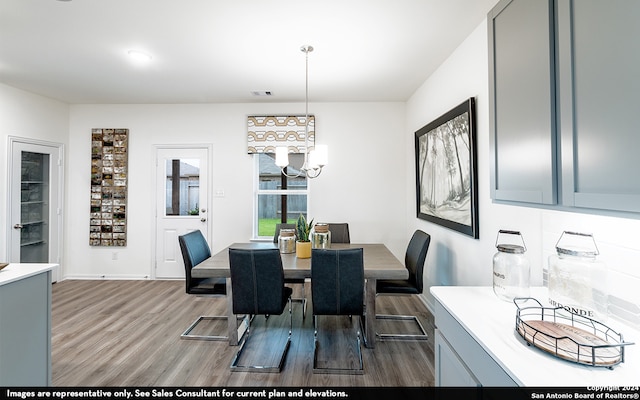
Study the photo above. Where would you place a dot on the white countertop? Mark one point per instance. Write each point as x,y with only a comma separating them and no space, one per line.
16,271
491,322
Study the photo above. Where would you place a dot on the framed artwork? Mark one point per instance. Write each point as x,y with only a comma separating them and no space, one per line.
446,170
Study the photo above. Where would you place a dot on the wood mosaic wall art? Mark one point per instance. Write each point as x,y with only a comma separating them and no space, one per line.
108,226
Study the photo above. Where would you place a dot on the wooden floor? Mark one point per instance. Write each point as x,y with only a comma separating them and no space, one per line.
127,333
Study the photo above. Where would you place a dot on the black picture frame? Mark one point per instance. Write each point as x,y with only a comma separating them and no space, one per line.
446,170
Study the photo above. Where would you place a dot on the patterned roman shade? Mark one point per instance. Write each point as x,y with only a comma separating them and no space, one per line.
265,133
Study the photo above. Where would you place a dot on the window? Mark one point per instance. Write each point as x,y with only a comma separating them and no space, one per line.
182,187
279,199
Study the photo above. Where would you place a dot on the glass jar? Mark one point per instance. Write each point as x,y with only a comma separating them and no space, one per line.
320,236
577,281
511,268
287,241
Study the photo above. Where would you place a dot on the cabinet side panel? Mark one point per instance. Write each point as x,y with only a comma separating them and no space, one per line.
25,332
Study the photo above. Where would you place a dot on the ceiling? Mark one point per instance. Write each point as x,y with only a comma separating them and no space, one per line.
220,51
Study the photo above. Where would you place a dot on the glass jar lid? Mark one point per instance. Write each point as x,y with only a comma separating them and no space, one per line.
577,244
510,248
578,252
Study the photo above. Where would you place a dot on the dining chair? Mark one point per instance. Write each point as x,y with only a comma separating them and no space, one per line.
414,261
339,232
337,288
293,281
195,249
257,288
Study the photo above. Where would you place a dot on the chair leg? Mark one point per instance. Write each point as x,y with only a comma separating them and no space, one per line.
352,371
402,336
236,367
187,334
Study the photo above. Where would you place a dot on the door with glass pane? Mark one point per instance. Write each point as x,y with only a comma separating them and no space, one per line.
181,204
35,180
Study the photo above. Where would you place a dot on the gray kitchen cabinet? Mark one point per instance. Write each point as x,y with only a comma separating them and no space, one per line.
476,344
598,64
521,91
563,96
451,371
25,325
459,359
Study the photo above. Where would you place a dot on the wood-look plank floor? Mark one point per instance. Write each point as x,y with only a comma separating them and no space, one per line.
127,333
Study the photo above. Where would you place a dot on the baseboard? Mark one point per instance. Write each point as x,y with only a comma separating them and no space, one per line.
105,277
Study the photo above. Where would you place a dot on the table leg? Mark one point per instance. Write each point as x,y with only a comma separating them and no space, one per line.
370,313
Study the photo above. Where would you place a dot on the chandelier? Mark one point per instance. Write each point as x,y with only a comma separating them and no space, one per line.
315,158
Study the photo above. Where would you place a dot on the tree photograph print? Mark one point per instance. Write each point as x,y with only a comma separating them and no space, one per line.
446,177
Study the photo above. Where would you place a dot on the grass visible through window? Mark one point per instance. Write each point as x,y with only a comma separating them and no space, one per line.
267,226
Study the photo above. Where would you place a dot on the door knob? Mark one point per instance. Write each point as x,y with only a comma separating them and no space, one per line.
17,226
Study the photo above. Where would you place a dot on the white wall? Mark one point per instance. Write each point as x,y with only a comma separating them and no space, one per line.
456,259
30,116
360,185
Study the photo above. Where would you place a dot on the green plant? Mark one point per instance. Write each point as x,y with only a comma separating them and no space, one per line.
303,228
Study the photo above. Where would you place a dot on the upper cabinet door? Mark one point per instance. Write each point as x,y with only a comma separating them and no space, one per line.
522,102
598,66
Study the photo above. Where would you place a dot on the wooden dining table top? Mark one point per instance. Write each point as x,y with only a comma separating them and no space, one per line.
379,262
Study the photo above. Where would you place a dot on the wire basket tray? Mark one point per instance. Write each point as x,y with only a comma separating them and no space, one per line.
568,336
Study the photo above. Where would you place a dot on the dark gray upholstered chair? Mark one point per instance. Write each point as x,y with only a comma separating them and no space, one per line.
337,288
339,232
414,261
292,281
195,249
257,286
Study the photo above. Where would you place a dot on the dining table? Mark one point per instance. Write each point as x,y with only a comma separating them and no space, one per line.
379,263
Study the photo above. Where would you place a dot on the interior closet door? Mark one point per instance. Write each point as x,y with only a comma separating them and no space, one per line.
35,203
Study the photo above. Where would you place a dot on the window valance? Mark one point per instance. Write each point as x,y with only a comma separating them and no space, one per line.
265,133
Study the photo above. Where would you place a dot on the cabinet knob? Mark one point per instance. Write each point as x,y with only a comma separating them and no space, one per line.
17,226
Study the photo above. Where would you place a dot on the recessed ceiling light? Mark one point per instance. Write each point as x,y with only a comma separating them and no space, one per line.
139,55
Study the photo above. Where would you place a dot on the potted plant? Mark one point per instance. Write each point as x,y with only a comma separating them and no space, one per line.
303,244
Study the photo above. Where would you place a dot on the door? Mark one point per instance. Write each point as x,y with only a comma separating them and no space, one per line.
522,100
181,203
35,203
450,369
598,63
